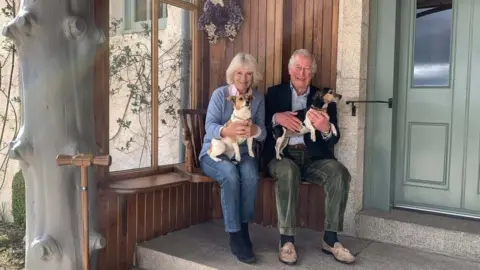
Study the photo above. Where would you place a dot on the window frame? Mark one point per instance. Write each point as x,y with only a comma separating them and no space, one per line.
130,26
195,35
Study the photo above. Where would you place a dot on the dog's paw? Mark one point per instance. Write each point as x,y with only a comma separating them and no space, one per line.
216,159
234,162
238,158
279,157
313,137
250,153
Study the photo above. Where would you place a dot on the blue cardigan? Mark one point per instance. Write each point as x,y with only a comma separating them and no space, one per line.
219,112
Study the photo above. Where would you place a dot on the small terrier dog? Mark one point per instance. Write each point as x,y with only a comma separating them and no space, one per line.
230,145
320,102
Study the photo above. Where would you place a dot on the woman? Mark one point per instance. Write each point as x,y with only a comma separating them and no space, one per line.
238,182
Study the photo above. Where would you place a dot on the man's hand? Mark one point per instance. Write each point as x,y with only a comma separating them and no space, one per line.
320,120
238,128
289,121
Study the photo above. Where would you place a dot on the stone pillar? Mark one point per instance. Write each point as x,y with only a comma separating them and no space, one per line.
352,83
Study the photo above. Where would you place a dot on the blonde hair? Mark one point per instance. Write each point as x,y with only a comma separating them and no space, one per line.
244,60
306,53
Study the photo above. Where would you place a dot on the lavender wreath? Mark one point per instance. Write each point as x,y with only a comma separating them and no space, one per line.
221,19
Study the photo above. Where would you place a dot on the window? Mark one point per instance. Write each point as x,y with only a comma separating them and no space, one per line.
433,40
139,13
144,126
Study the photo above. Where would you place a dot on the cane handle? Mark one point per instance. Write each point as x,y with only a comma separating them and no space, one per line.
84,160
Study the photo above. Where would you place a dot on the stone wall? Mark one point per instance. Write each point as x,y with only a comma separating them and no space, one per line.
352,84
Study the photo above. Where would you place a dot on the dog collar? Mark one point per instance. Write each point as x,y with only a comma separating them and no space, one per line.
234,116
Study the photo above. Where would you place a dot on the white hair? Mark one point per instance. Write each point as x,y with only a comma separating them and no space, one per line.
306,53
244,60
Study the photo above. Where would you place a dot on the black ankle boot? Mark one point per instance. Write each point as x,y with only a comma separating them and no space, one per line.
246,236
239,248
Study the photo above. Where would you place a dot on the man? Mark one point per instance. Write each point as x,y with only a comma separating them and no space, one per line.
304,159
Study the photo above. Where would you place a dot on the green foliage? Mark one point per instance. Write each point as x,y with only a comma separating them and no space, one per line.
12,246
18,199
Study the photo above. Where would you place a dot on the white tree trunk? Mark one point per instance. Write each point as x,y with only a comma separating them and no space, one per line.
56,42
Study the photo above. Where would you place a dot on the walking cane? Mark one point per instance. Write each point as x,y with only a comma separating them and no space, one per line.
84,161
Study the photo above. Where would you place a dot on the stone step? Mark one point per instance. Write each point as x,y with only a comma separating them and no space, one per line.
440,234
205,246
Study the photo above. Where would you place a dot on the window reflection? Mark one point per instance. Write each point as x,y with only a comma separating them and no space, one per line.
433,31
141,10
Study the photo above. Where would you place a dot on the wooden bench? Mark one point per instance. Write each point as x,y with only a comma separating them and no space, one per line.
310,209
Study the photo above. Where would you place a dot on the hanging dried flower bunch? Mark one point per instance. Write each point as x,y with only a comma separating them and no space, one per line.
220,19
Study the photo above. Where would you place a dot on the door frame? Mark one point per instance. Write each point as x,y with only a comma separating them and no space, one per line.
380,121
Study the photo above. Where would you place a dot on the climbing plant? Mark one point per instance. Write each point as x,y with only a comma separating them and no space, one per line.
9,111
130,76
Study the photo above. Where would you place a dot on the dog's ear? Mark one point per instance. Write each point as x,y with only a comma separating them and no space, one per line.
250,97
232,99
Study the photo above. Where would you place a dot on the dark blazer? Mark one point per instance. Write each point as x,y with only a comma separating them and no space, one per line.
279,99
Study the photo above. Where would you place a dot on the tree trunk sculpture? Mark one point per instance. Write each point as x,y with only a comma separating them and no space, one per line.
56,42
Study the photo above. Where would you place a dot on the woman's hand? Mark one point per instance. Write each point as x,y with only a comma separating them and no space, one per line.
238,128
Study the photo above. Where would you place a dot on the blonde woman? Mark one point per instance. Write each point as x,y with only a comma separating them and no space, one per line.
238,182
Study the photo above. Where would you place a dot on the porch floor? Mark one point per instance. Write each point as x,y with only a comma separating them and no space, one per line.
205,246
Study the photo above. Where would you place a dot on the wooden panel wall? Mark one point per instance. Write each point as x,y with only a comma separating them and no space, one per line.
272,31
312,25
129,219
310,206
260,35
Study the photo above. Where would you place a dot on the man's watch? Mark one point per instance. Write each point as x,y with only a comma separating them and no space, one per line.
326,133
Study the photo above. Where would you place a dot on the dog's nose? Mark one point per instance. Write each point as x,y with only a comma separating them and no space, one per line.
247,103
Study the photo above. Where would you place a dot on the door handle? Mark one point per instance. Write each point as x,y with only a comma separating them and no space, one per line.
354,108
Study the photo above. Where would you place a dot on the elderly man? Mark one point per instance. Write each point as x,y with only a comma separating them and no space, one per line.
304,159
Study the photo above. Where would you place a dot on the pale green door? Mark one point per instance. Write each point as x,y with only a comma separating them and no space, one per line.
437,134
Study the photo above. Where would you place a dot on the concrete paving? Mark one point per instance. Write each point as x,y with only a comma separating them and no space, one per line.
457,237
205,246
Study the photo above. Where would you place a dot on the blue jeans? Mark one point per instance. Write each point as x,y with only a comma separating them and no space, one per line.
238,185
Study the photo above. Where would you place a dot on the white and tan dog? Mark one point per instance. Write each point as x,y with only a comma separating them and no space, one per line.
320,101
230,145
